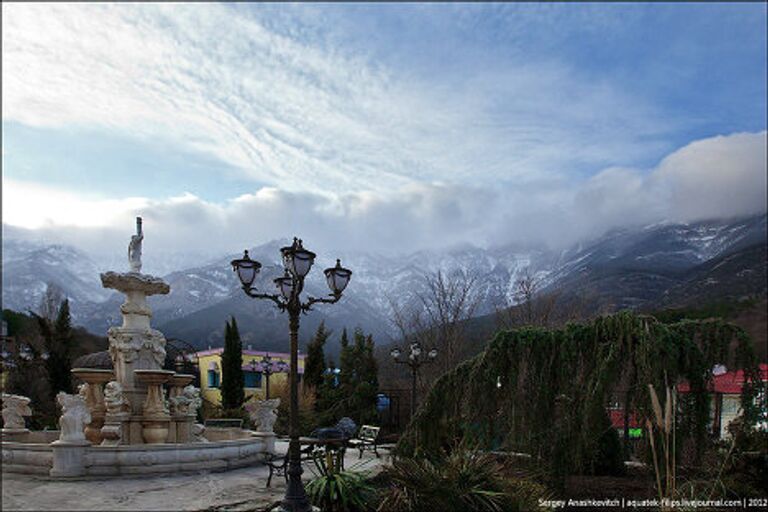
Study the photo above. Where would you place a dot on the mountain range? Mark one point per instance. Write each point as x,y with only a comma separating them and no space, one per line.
652,266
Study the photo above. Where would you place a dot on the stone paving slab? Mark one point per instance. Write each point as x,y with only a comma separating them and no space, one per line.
238,490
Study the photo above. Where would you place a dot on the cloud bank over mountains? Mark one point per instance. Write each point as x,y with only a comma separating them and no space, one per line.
712,178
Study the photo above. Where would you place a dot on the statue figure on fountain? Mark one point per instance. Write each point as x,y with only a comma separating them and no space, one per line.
188,402
263,413
74,417
114,399
134,248
15,407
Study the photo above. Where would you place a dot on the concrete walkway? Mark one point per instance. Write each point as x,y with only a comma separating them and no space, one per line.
239,490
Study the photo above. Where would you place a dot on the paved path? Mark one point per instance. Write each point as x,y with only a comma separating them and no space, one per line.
239,490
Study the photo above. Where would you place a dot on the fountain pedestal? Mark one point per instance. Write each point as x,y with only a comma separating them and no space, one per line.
135,346
181,420
156,418
94,380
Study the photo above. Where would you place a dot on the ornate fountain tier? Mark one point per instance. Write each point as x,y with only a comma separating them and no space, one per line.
178,382
92,391
136,287
156,416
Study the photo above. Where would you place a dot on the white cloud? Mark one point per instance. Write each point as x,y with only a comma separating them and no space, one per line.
303,116
35,206
710,178
715,177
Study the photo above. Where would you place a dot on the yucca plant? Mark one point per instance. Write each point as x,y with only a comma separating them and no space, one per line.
463,481
339,491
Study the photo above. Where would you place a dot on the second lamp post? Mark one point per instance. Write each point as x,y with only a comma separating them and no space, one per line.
267,368
297,262
415,361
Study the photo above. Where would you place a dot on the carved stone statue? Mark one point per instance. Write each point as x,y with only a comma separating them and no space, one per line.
114,399
263,413
187,403
74,417
197,433
15,407
134,248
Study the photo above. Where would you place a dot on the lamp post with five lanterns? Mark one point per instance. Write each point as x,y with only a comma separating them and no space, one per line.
297,262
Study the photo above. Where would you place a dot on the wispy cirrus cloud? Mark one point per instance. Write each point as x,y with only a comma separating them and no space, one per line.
306,116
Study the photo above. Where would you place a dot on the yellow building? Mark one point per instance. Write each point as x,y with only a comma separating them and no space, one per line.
255,379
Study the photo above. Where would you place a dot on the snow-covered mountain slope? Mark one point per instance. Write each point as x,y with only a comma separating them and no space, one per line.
28,267
623,268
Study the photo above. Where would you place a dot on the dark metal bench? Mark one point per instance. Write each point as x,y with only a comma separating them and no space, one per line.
278,464
367,439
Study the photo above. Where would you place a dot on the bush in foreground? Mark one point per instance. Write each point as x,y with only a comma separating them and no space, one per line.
463,481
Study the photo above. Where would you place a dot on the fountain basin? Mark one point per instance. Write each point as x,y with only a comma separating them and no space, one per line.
132,460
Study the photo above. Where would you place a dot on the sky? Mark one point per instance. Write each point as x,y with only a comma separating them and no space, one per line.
377,127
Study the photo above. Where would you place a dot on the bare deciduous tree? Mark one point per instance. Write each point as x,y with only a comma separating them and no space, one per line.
534,307
448,301
436,319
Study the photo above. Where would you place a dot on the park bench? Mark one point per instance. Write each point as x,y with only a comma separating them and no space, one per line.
278,464
367,439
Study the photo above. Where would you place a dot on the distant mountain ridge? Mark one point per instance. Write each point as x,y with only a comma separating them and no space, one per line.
628,268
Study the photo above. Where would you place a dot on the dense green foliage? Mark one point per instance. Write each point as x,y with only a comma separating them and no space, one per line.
59,347
721,309
232,378
353,394
336,490
462,481
39,377
314,364
545,392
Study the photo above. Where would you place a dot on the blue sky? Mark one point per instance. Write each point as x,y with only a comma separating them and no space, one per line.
394,126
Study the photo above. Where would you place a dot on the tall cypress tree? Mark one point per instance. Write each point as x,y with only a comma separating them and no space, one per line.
314,365
356,394
346,360
232,379
59,360
57,342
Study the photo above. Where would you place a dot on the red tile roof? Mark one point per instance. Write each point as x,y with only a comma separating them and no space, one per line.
727,383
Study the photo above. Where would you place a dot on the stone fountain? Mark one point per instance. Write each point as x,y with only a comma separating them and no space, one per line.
122,421
136,349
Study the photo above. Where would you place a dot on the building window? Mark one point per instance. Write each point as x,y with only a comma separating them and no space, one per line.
213,379
252,379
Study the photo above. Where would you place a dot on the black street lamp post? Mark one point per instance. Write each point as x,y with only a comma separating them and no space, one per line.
415,361
297,262
267,368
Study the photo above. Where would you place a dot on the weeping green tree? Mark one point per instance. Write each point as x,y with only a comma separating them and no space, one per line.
232,379
545,392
